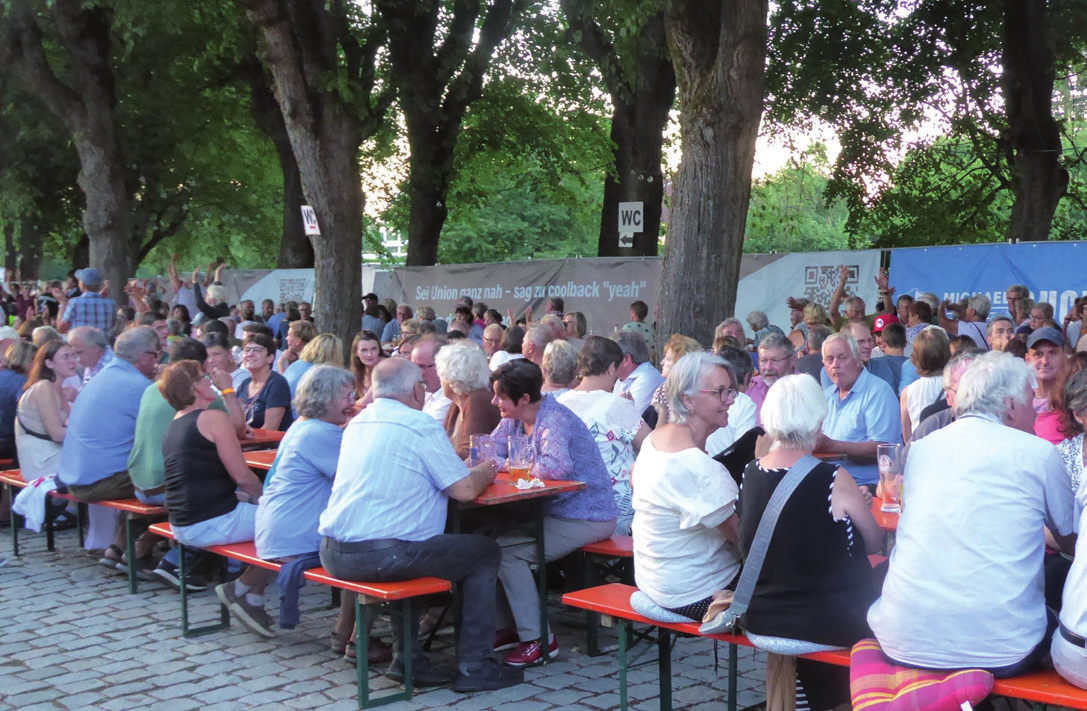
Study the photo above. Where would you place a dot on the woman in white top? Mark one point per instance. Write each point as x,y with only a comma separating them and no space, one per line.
612,420
42,416
685,523
931,351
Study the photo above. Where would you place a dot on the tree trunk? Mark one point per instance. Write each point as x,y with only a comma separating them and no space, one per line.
295,250
86,108
437,80
719,53
639,117
30,249
303,45
1039,179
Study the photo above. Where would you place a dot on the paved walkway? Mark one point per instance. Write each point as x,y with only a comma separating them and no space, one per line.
73,638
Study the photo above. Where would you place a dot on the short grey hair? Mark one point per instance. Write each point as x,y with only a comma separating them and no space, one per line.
932,300
685,378
720,330
44,334
539,334
847,339
559,363
850,300
817,336
981,304
89,335
395,378
758,320
958,363
217,293
777,340
793,412
318,388
989,381
135,342
632,345
463,365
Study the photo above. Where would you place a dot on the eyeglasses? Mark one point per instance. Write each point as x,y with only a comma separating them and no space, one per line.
776,361
254,350
152,353
723,394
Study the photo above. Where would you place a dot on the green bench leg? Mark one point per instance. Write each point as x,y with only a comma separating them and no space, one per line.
186,630
130,552
362,652
732,674
14,526
541,575
664,665
590,579
624,633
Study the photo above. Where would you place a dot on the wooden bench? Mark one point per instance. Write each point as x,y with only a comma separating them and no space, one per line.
368,597
599,560
1044,687
132,509
614,600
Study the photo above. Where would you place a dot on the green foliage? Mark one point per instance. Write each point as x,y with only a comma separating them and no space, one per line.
788,211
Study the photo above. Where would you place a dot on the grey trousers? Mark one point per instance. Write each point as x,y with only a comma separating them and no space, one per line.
519,606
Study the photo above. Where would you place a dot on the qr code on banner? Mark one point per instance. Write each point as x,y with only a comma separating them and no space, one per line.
292,290
820,281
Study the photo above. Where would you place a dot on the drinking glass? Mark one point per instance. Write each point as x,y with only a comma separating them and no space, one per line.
522,457
890,460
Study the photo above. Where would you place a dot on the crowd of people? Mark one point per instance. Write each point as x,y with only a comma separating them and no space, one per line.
154,400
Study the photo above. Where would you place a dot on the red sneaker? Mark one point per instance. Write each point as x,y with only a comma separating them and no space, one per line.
531,653
505,639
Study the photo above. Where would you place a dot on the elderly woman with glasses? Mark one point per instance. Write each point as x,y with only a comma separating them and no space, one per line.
685,524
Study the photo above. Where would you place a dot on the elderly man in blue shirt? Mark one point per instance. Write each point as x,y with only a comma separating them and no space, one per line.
863,410
102,430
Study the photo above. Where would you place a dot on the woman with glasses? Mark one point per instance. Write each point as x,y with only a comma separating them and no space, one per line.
265,396
685,522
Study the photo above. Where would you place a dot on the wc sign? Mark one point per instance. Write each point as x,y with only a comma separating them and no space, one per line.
309,220
630,221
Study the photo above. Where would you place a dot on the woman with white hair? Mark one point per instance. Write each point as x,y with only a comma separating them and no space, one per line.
216,305
299,483
685,523
559,368
462,368
815,584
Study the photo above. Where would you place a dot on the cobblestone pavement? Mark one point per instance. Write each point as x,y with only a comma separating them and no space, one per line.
73,638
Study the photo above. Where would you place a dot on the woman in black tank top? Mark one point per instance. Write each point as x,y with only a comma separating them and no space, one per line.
211,493
816,583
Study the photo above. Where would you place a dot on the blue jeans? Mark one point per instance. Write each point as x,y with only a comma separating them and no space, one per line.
469,559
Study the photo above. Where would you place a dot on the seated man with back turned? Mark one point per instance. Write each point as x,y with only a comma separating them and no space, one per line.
965,585
385,522
102,427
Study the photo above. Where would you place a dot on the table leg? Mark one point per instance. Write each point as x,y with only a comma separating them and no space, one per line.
541,573
664,666
624,633
732,674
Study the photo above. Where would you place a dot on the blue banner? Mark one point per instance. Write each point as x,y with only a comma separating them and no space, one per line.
1052,271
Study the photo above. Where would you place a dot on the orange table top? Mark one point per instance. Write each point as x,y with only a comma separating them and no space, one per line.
502,491
261,459
886,521
261,439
